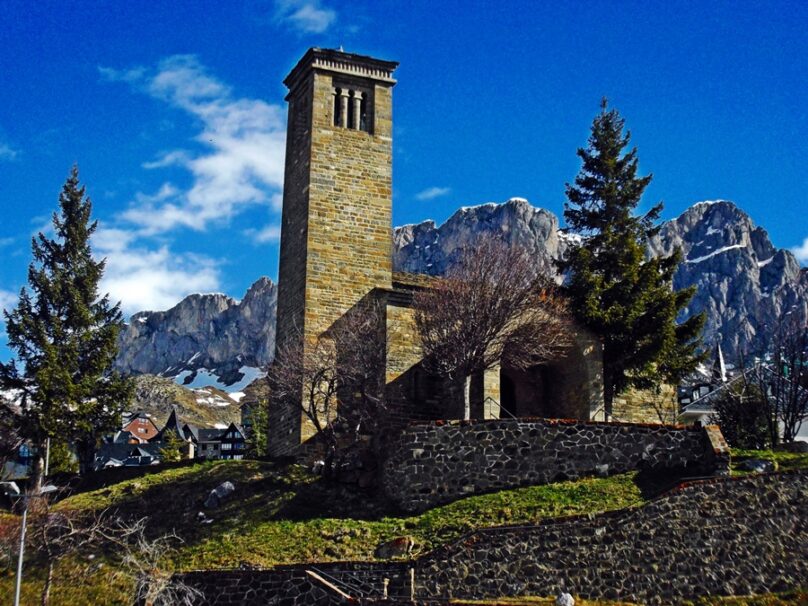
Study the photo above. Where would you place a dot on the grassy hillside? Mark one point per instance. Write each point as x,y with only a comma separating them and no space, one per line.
282,514
204,407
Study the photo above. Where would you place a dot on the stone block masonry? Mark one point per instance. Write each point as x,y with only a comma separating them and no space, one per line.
336,226
721,537
439,462
302,585
737,536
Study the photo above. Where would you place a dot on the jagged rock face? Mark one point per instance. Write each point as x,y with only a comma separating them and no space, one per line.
425,248
211,331
743,283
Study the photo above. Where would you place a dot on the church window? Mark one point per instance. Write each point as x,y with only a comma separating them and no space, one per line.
352,108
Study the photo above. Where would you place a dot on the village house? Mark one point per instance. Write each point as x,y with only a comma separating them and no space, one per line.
127,449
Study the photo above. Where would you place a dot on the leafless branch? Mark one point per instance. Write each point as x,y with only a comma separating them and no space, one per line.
493,307
336,380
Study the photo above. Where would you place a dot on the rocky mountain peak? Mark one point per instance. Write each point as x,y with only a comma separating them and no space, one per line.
210,333
427,248
743,283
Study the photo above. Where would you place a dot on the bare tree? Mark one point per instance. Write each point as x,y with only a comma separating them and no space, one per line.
492,308
144,563
336,380
55,535
783,378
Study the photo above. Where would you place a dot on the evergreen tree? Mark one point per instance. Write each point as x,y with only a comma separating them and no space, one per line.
625,298
259,432
65,339
172,448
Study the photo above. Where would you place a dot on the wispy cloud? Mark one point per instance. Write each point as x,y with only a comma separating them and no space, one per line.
243,141
432,192
147,279
268,233
304,16
7,300
7,152
801,252
6,242
235,161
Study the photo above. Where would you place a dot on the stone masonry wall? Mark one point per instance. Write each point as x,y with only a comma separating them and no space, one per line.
434,463
720,537
295,586
725,536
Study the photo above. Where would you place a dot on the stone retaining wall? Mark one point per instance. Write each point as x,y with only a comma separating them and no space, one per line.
295,586
725,536
438,462
720,537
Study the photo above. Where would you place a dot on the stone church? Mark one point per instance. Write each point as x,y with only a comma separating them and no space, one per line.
336,252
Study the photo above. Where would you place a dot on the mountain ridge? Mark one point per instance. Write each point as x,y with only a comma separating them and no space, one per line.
743,283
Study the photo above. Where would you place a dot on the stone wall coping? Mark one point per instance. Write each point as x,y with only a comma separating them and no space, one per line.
717,440
377,565
553,422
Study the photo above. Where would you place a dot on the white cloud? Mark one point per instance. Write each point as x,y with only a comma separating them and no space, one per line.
269,233
801,252
305,16
8,300
144,279
239,162
432,192
244,140
6,242
7,152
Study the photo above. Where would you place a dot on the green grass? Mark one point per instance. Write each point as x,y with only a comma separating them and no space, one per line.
282,514
784,461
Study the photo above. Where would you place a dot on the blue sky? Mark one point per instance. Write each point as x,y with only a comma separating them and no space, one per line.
175,114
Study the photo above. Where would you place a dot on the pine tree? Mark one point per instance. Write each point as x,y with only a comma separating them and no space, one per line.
258,434
625,298
65,338
172,448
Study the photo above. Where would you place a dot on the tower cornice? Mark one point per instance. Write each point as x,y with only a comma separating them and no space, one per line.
340,62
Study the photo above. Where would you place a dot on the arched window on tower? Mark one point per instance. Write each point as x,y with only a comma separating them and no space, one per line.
351,109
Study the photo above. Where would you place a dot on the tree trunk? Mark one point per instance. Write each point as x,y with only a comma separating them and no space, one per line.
85,451
38,470
467,397
608,396
48,583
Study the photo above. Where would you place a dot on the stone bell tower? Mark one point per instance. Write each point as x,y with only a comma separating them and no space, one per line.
336,230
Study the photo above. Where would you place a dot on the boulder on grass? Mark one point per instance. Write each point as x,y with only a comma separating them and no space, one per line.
565,599
757,465
219,494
